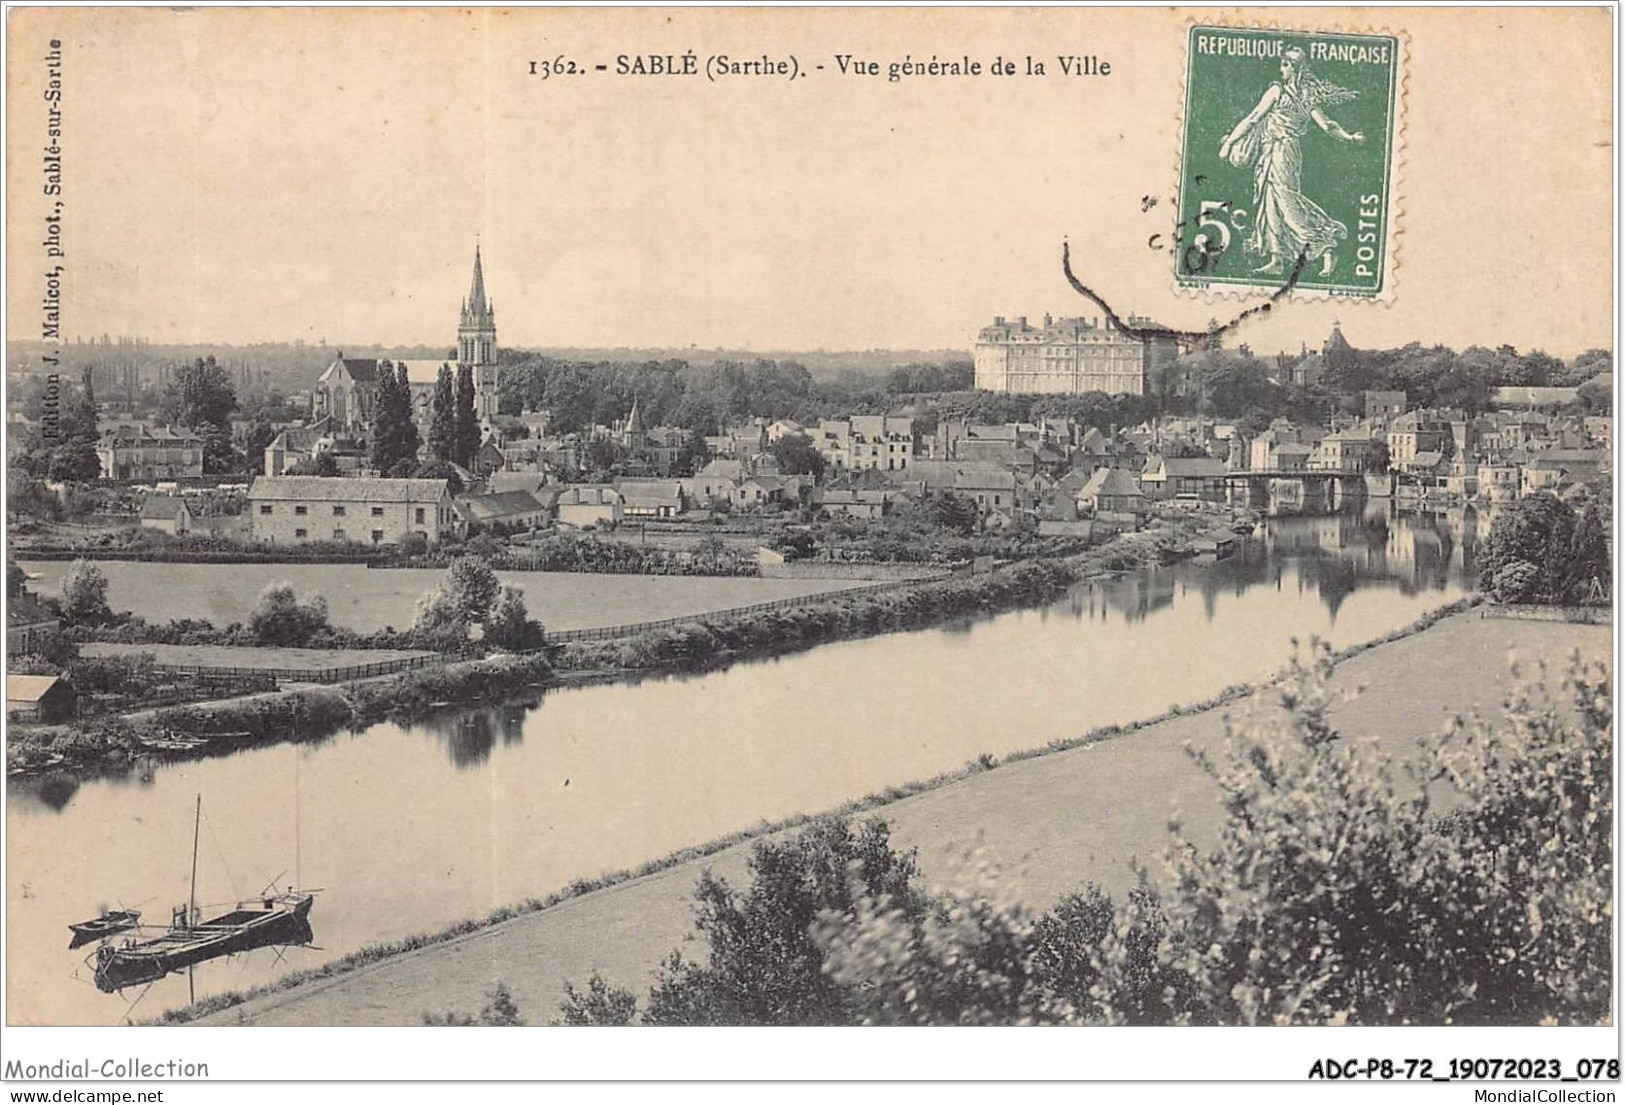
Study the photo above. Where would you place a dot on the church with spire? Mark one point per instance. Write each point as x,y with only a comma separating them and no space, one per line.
477,342
347,391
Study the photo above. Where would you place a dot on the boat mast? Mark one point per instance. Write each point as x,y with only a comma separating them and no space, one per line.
191,900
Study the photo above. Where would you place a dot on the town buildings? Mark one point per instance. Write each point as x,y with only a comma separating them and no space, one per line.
138,452
1070,356
290,510
878,441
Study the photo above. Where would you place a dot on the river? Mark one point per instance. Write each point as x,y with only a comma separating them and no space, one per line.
410,828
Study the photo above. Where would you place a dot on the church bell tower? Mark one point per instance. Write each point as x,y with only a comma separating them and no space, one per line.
477,341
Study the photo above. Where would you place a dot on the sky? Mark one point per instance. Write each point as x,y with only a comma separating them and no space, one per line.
240,176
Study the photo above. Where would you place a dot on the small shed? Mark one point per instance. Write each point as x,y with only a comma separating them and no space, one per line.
168,513
39,698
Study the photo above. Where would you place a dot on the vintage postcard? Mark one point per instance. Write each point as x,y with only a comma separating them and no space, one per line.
777,517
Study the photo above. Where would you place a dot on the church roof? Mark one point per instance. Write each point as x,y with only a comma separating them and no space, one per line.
363,370
424,373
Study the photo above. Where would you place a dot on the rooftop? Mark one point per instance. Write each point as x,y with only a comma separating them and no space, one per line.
347,489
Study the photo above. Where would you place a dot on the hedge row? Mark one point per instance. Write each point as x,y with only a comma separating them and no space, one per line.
270,719
708,640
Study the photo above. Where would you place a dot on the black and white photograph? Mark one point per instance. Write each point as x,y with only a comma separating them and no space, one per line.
787,518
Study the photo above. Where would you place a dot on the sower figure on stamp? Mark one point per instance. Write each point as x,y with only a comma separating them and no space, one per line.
1286,223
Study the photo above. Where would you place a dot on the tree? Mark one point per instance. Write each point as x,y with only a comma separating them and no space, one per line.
1543,531
219,455
1373,909
440,470
199,394
945,510
78,419
472,587
260,436
394,435
465,426
443,423
321,464
797,456
603,454
200,397
1379,458
280,619
462,600
692,455
1597,395
382,452
84,595
510,625
74,460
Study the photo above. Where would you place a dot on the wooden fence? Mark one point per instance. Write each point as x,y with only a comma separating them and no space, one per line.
311,675
98,705
610,632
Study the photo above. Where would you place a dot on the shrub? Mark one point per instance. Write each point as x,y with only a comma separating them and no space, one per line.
499,1011
280,619
1515,581
84,595
1334,893
510,625
599,1004
763,965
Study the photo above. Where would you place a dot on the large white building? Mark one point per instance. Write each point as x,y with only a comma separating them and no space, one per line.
1068,356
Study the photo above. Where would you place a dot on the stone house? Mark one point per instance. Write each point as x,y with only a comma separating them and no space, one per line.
1112,490
1188,477
142,453
583,504
291,510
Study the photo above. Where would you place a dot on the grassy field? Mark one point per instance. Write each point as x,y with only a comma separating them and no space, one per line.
219,656
369,599
1054,821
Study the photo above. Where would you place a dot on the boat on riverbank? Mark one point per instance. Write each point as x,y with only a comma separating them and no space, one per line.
110,923
260,923
267,921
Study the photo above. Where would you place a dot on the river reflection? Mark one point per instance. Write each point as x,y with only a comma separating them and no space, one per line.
411,828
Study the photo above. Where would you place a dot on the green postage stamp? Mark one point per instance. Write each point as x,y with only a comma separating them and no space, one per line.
1287,164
